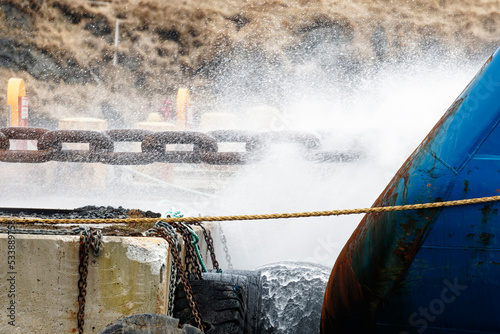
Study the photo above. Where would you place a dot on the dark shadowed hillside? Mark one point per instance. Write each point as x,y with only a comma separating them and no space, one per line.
64,49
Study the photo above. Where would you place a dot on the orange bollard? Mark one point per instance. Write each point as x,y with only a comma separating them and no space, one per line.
184,113
18,106
17,102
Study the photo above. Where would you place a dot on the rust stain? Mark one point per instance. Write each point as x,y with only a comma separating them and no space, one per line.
466,187
71,314
486,64
348,298
349,295
451,110
406,178
409,226
407,250
488,213
485,238
401,247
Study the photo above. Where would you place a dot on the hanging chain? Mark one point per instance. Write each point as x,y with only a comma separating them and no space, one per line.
162,232
173,271
172,286
210,245
194,241
88,237
226,250
191,260
190,257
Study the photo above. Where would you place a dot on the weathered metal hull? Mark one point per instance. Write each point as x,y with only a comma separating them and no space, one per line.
435,270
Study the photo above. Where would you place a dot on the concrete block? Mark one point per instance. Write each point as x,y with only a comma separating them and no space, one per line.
218,121
155,126
83,123
130,276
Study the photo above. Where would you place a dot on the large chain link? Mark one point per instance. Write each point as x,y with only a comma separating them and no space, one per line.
88,237
22,133
153,146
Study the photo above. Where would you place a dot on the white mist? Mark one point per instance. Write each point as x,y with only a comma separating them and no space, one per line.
383,114
384,117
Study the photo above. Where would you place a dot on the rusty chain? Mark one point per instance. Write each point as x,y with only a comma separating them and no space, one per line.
92,238
205,146
174,271
190,257
225,248
88,237
210,245
162,231
21,133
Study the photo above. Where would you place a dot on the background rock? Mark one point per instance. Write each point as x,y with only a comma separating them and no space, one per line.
64,49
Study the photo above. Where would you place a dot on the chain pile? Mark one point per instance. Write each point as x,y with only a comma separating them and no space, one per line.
192,262
210,245
92,238
205,146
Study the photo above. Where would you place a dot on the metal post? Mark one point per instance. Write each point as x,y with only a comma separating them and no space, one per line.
117,34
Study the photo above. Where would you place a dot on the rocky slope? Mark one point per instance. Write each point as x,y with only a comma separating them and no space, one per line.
65,51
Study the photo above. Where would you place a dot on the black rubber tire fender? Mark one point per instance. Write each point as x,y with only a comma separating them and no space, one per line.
250,282
221,305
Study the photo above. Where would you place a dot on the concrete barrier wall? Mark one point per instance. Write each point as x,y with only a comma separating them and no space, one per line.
130,276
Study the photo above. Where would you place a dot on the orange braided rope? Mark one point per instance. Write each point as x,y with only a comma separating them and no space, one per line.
253,217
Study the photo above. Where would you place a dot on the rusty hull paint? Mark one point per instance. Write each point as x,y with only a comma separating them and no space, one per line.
379,252
362,280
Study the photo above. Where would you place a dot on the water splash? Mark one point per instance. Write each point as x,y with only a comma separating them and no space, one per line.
384,113
292,296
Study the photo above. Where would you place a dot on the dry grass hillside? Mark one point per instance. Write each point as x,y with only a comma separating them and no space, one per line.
64,49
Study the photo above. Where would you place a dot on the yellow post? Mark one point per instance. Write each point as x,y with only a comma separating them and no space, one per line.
16,100
183,109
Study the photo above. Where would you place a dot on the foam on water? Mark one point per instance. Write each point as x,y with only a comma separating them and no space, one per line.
292,295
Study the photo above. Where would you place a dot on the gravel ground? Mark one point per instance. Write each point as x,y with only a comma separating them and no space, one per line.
86,212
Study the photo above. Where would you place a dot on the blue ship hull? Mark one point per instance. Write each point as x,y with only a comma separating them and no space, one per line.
433,270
